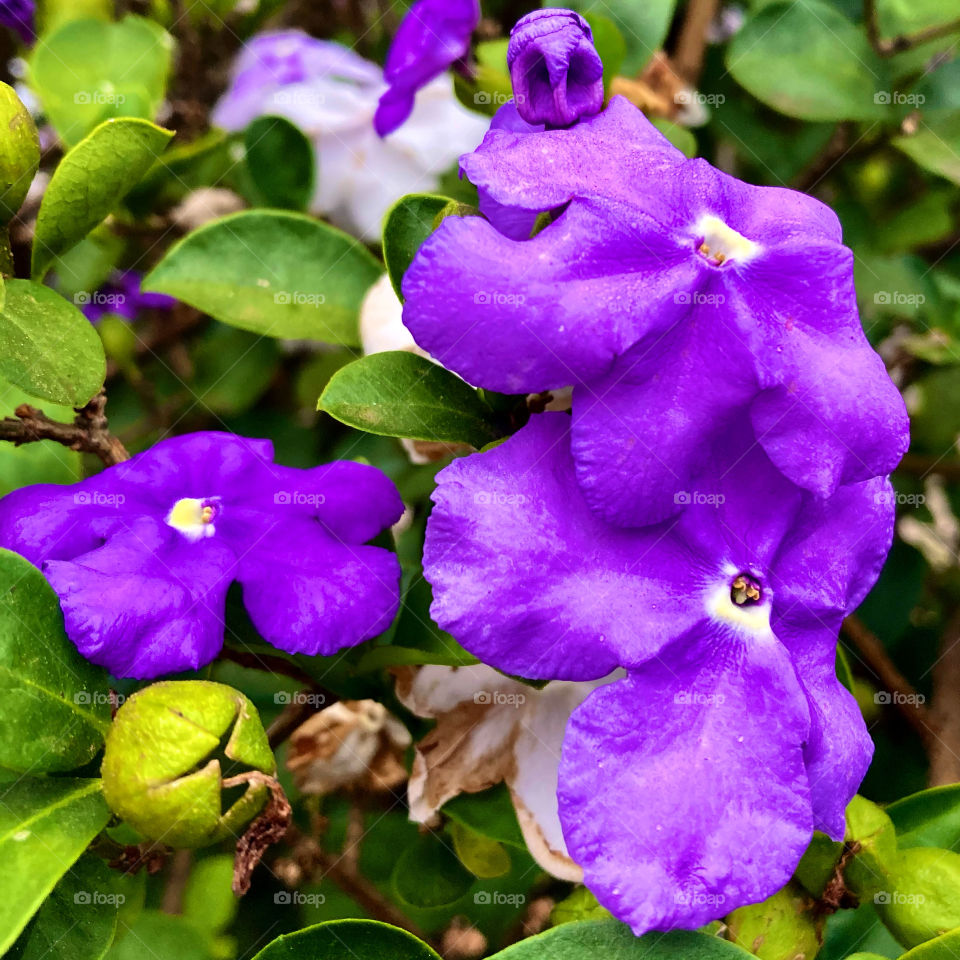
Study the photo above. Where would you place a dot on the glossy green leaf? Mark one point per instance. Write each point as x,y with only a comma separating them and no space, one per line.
78,920
614,941
428,874
489,813
48,347
643,25
90,181
944,947
54,705
401,394
44,827
19,152
348,940
825,68
275,273
483,857
280,163
89,70
930,818
407,224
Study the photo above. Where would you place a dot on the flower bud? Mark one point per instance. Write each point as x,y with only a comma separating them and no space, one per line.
922,897
162,769
556,71
873,831
19,152
780,928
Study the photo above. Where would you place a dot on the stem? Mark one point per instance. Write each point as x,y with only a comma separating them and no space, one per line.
688,55
945,709
903,41
89,432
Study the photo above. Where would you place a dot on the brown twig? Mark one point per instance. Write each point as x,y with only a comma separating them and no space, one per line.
89,432
945,708
692,42
836,147
903,693
266,830
180,864
904,41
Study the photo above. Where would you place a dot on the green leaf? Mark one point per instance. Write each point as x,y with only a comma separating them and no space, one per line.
643,25
483,857
930,818
44,827
679,136
280,163
348,940
825,68
275,273
580,905
489,813
90,181
407,224
78,920
160,936
48,347
428,874
208,899
401,394
935,146
614,941
87,71
610,45
54,705
944,947
19,152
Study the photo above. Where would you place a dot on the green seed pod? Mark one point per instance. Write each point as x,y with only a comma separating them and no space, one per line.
19,152
867,872
780,928
922,899
162,767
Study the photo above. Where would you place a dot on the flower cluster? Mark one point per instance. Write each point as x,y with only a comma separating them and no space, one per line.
713,507
332,94
142,554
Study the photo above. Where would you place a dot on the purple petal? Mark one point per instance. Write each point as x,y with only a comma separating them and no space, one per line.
309,593
147,602
683,793
528,579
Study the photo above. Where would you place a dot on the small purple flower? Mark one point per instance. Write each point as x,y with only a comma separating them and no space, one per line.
556,71
433,35
141,555
692,786
684,303
19,15
122,296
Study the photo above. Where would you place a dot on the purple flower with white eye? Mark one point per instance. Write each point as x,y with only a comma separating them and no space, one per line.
433,35
122,296
692,786
19,15
556,71
141,555
683,302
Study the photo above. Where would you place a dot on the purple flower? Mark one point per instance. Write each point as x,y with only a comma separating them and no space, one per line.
433,35
692,786
683,302
556,71
141,555
19,15
122,296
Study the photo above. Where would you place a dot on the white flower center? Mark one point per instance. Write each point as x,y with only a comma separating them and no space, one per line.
739,601
721,242
193,517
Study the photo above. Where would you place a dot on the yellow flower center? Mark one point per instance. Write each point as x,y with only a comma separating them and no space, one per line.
193,518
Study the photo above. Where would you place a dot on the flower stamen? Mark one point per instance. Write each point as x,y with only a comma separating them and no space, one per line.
719,242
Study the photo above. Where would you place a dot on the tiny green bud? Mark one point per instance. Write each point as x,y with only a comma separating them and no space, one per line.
580,905
19,152
162,764
872,830
818,864
922,898
780,928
